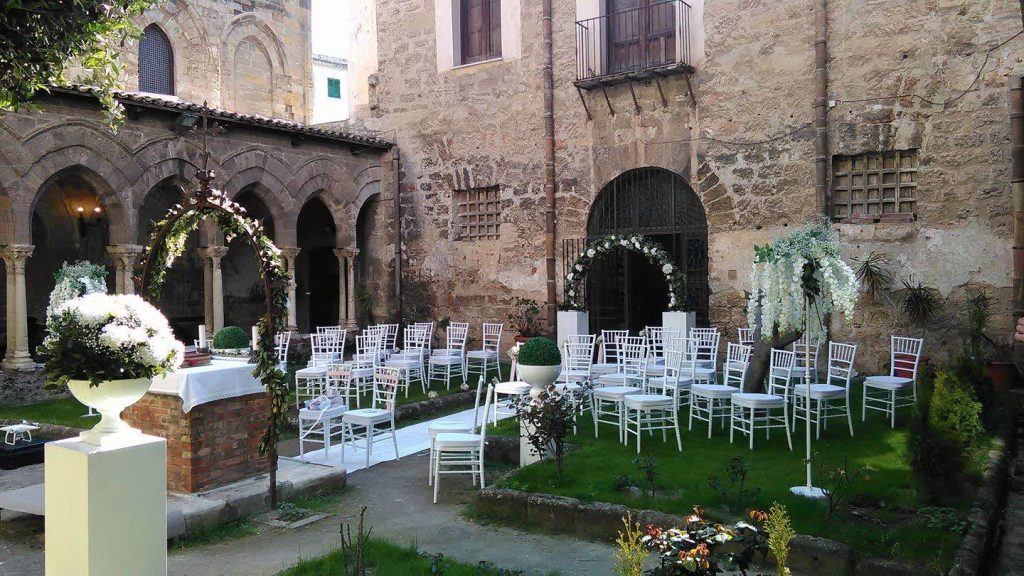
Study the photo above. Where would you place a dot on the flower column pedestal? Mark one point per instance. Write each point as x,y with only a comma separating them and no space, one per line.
679,322
106,506
571,323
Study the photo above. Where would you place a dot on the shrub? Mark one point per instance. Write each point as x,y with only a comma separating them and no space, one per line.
539,351
955,411
733,491
548,420
945,431
629,558
230,337
780,532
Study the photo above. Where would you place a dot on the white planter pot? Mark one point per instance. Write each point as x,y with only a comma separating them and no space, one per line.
538,377
109,399
572,322
679,322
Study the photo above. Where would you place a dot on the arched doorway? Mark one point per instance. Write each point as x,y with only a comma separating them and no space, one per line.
624,290
316,267
69,223
181,298
244,298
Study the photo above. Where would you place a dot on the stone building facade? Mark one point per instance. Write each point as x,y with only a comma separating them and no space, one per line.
71,189
924,85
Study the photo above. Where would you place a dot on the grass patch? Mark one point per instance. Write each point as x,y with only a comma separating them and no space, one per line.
883,523
386,558
62,411
322,503
215,535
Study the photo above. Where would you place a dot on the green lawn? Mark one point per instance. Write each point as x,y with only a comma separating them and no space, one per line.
885,523
64,411
384,558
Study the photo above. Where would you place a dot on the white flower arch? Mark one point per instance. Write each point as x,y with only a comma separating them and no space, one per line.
635,243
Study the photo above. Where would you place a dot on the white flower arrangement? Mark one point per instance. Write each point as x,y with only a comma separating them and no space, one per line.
74,280
101,337
637,243
797,275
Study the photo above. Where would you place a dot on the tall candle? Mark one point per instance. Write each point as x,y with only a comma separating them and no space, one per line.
202,337
255,336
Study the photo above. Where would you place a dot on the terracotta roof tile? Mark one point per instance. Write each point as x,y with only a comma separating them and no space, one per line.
174,103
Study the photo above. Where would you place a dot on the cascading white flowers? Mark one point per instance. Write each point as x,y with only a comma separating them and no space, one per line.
101,337
74,280
798,274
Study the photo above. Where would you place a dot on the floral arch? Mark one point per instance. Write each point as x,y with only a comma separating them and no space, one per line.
168,242
637,243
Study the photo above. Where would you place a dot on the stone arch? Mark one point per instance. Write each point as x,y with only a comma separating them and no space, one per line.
252,165
249,27
366,184
192,50
322,178
105,160
7,222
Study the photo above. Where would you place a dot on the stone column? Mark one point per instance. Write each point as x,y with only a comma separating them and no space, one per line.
290,254
18,357
343,313
350,257
215,297
124,257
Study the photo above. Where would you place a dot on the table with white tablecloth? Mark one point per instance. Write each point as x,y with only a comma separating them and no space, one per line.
201,384
212,417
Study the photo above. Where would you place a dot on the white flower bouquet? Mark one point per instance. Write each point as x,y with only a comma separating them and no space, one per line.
74,280
103,337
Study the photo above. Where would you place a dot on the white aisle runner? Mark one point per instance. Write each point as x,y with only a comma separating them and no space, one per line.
411,439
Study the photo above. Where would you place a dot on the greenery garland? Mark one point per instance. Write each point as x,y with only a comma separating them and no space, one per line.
168,242
635,243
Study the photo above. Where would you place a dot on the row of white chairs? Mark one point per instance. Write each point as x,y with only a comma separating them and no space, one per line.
646,377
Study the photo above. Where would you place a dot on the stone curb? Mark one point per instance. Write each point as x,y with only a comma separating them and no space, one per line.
215,509
978,543
603,521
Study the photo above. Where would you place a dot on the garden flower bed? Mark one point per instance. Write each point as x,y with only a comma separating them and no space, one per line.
879,516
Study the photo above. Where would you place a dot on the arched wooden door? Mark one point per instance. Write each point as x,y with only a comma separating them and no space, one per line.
624,290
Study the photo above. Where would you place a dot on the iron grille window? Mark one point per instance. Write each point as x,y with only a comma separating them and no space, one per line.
480,30
479,213
156,62
874,184
333,88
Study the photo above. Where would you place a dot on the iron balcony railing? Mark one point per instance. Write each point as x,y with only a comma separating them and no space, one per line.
652,37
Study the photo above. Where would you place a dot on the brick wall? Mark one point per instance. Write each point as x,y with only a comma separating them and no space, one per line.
214,444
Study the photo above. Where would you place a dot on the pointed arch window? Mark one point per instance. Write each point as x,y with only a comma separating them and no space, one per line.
156,62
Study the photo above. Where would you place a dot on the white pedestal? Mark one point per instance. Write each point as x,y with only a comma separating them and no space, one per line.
527,455
679,321
572,322
106,507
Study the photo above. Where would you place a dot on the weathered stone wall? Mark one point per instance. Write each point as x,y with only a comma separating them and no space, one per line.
243,55
745,148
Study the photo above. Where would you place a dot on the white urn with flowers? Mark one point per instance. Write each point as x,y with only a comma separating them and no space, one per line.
107,349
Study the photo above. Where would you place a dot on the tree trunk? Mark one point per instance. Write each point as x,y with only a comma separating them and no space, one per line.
760,359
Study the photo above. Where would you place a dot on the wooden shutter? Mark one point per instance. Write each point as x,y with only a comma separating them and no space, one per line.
480,27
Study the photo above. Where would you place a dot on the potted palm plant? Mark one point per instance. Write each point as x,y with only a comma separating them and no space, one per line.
525,318
539,363
997,356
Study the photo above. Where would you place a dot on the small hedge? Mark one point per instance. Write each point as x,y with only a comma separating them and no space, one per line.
230,337
539,351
